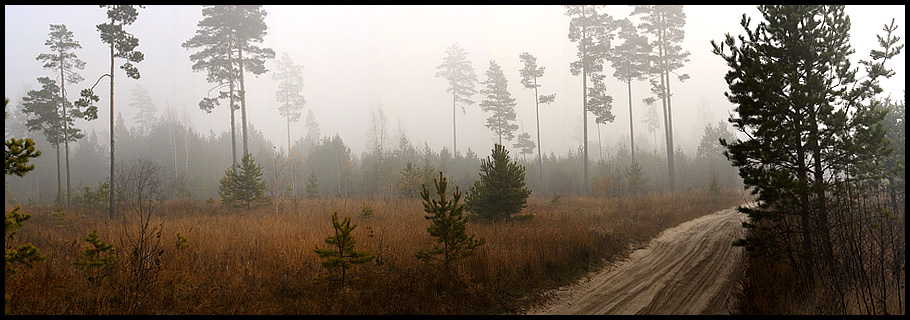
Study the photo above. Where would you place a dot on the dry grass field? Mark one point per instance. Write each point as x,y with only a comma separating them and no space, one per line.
262,262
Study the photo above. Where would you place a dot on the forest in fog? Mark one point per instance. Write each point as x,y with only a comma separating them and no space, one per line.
209,112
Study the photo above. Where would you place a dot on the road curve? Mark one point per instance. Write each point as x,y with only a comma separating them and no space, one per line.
687,269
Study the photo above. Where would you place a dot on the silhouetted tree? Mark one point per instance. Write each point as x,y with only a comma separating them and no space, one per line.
145,109
529,75
630,62
665,23
592,31
457,70
500,102
290,83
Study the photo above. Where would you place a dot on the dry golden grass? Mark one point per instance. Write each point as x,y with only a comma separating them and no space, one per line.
260,262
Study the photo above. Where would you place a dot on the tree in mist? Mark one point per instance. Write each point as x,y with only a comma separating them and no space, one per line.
249,29
145,109
243,187
409,181
652,119
637,182
525,143
500,102
600,105
63,59
447,225
312,127
812,128
457,70
711,153
592,31
43,111
630,63
216,39
290,83
665,24
122,45
332,161
501,190
341,253
529,75
894,124
378,141
312,186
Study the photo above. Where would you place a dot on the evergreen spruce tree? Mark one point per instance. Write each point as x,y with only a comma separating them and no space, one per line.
312,186
409,180
637,182
243,187
501,191
341,253
448,226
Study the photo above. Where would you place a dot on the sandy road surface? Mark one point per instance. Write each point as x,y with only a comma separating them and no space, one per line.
687,269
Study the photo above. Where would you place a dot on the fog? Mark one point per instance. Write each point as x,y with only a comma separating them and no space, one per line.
358,57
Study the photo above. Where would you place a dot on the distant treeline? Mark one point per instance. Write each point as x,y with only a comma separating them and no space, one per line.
192,164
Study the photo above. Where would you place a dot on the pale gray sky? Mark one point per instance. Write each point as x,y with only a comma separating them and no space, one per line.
356,57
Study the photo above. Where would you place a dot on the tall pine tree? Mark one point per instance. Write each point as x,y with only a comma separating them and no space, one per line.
630,63
665,24
457,70
529,75
290,83
62,59
500,102
592,31
122,45
43,111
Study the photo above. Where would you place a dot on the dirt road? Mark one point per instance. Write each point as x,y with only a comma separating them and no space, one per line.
687,269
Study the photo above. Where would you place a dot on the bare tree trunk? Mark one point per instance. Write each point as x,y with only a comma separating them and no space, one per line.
112,186
537,110
243,104
66,139
584,97
231,85
631,131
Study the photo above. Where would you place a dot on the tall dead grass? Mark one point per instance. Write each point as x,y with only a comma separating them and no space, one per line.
260,262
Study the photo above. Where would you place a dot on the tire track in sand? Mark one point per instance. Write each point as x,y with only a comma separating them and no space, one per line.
687,269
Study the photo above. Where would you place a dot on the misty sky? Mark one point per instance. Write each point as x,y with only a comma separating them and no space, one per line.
357,57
